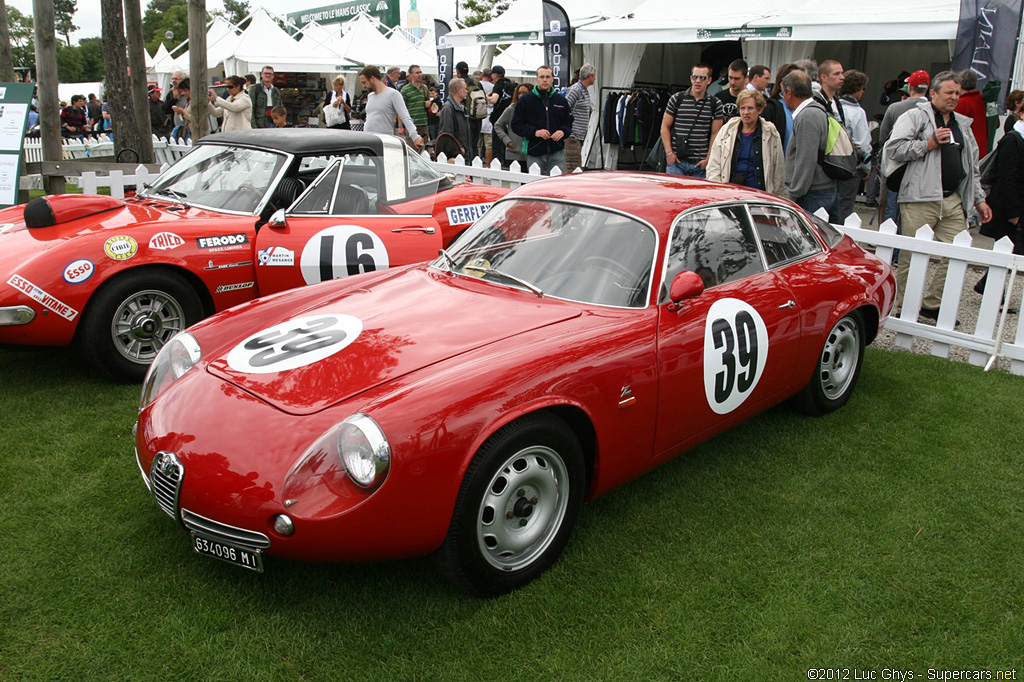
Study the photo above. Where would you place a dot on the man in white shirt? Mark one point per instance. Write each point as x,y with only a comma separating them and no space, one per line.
383,104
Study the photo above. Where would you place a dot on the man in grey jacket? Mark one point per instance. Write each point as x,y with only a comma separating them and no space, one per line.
941,182
806,181
917,87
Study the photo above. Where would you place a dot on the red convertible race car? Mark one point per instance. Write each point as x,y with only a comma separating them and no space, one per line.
583,331
121,277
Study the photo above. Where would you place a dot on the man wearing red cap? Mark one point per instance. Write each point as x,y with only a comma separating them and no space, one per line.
917,84
157,114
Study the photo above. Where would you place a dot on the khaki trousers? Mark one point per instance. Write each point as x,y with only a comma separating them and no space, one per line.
947,220
573,152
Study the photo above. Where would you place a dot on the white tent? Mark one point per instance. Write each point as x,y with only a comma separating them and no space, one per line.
264,43
221,40
523,20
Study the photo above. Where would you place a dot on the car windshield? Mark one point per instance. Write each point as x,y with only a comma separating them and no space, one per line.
559,249
223,178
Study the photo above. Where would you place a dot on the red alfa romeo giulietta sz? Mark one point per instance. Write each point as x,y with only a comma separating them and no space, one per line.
583,331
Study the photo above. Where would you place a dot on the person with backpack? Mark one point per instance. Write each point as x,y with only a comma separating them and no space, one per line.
499,99
691,122
543,119
807,183
453,131
476,106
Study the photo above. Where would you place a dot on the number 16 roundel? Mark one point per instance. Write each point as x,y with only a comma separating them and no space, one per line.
340,251
735,350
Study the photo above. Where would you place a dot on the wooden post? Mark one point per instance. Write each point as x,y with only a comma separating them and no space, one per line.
6,57
199,107
46,81
137,68
118,85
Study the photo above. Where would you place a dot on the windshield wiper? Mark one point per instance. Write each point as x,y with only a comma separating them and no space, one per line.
176,195
449,261
488,270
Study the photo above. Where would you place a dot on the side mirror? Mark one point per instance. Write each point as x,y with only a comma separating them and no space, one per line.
685,285
277,220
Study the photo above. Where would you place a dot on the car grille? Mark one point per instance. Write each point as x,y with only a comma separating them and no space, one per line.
222,531
165,476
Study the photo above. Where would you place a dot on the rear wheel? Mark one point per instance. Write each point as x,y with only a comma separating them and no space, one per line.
516,509
835,374
130,319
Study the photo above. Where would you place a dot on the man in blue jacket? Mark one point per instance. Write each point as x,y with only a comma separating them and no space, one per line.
543,119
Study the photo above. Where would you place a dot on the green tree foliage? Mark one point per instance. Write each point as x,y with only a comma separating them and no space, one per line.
69,64
234,11
90,51
23,45
162,16
64,18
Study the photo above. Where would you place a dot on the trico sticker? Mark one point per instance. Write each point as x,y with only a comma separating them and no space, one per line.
223,242
464,215
735,351
295,343
275,255
234,287
121,247
77,271
165,241
340,251
36,294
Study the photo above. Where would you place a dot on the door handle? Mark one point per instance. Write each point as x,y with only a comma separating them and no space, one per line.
788,304
428,229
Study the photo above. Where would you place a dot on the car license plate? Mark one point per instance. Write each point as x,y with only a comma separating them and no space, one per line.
246,558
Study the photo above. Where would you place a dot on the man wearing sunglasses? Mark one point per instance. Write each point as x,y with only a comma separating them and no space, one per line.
690,124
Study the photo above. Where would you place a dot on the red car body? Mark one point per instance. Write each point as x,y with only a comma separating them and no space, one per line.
447,362
210,259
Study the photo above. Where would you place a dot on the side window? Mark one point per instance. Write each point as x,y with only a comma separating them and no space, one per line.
317,200
347,187
716,243
831,235
784,237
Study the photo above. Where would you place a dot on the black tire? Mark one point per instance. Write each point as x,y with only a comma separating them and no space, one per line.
131,317
838,367
516,509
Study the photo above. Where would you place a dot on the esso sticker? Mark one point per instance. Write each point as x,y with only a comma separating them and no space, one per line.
294,343
77,271
735,350
340,251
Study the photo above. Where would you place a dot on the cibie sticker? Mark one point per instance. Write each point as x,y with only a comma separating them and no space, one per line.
735,350
165,241
121,247
340,251
77,271
463,215
295,343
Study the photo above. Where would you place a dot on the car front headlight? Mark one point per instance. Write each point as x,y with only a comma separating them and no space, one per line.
364,450
180,354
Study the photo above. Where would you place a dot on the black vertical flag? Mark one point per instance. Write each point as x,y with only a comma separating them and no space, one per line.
445,57
986,40
556,43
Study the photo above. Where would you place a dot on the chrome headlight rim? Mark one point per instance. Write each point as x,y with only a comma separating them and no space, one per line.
366,467
180,354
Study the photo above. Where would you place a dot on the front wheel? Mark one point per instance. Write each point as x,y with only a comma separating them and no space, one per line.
835,374
130,319
516,509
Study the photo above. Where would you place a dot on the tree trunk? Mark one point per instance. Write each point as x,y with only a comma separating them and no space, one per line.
200,104
6,57
118,85
46,75
137,64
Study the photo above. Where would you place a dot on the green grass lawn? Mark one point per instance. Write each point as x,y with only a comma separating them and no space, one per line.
886,535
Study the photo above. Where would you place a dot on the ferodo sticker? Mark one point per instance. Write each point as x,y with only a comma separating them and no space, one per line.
463,215
77,271
121,247
735,350
340,251
36,294
275,255
295,343
223,242
165,241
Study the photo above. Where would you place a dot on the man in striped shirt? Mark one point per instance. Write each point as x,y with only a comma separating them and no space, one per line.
579,103
690,124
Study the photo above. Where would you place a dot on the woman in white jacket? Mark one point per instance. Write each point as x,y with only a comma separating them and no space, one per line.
748,149
236,109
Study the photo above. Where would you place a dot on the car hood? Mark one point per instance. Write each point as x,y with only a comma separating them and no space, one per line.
368,335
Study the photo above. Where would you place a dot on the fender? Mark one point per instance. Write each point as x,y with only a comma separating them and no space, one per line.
62,208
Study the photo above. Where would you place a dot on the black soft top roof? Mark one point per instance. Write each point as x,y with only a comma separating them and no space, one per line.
299,141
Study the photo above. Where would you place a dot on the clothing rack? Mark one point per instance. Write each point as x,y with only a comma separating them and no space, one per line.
654,137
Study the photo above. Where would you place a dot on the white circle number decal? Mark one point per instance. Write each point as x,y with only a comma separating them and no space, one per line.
294,343
340,251
735,350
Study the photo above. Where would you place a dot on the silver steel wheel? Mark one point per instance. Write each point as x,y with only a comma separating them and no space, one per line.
523,508
144,322
840,358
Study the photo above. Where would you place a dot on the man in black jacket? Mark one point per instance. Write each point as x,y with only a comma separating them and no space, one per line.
543,119
453,133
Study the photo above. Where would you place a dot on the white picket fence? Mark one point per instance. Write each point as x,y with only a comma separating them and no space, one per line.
489,175
165,151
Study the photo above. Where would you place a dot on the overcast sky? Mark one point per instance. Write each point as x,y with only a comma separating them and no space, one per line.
88,15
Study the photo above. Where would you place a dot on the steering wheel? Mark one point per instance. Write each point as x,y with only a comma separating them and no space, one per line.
610,266
256,194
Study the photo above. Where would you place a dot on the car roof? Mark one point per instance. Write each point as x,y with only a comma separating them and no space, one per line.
299,141
655,197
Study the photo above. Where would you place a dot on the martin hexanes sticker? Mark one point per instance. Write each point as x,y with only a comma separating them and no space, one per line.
120,247
36,294
275,255
295,343
464,215
735,350
165,241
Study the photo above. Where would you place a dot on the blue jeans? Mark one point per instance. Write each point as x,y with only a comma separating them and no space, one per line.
892,207
685,168
548,161
822,198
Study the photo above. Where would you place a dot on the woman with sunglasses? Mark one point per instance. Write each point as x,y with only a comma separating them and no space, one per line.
236,109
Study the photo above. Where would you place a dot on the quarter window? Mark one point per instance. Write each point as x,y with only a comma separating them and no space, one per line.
716,243
784,237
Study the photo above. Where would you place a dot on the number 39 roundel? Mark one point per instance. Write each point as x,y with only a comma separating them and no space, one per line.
735,350
294,343
340,251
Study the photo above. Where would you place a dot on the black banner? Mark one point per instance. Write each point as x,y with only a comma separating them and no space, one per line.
986,40
445,58
556,43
